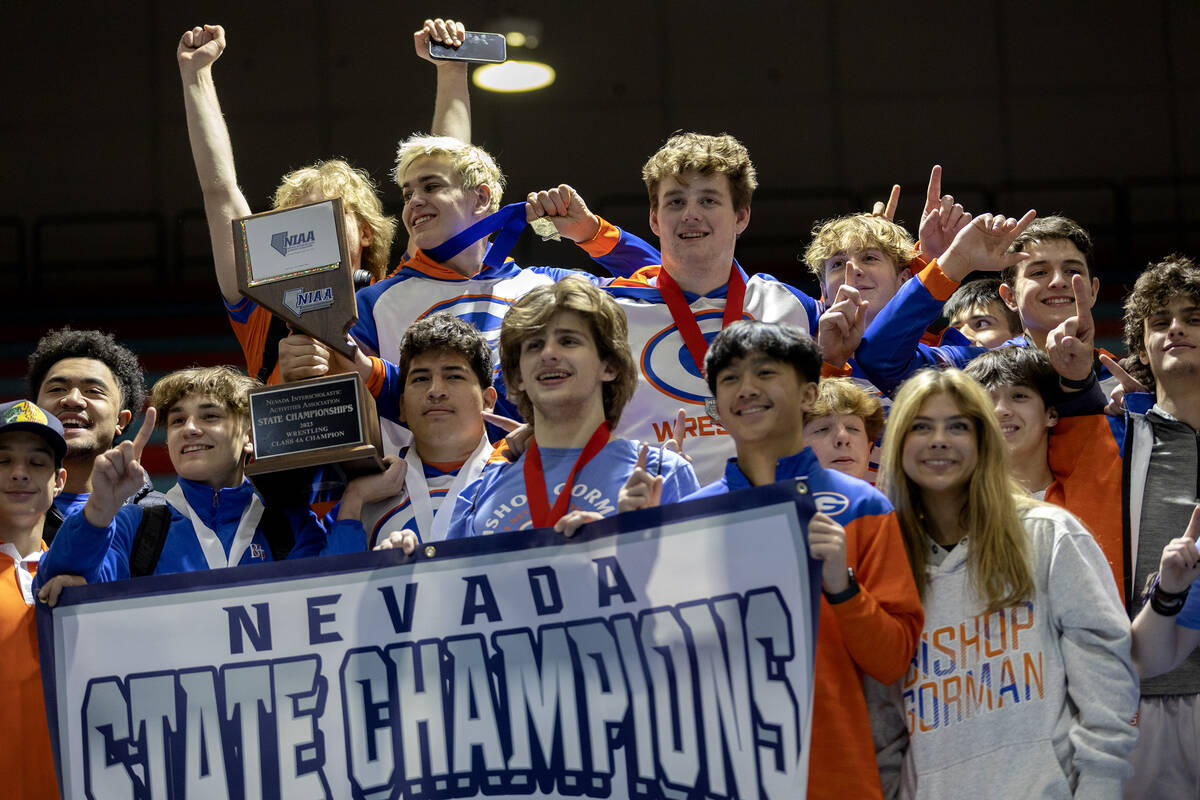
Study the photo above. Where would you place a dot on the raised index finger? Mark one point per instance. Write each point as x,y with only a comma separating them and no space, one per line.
677,432
1127,381
501,421
1193,528
889,213
1021,225
1083,308
143,434
933,194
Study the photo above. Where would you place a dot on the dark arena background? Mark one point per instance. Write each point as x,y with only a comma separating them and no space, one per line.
1083,109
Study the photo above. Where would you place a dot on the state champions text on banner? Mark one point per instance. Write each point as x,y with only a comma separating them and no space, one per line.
667,652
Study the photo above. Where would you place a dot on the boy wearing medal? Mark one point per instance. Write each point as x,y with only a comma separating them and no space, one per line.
216,518
699,189
565,352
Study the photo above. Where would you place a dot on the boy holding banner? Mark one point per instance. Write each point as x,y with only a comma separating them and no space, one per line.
565,350
764,378
214,517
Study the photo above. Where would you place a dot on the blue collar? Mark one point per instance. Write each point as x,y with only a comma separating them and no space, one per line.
797,465
217,504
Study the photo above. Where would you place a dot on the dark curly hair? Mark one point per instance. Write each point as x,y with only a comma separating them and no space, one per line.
1174,277
444,332
98,345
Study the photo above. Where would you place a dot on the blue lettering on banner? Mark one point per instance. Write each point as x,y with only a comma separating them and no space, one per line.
229,728
402,620
644,690
317,620
259,631
479,599
554,707
547,600
612,581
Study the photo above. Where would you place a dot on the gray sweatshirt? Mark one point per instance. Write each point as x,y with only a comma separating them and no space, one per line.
1031,701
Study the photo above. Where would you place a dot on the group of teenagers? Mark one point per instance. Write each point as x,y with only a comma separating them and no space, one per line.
1005,569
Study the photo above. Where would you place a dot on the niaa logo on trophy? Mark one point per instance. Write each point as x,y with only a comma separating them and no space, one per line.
667,363
298,300
283,243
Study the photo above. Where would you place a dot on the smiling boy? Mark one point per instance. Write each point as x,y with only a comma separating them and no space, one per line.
1161,472
1039,288
764,378
446,371
32,448
214,517
94,386
565,351
699,188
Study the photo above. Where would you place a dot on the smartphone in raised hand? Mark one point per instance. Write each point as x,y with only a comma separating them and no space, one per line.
477,48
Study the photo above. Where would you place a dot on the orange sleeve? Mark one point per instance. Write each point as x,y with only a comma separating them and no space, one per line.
939,286
881,624
919,262
830,371
500,453
1085,461
252,335
604,241
375,380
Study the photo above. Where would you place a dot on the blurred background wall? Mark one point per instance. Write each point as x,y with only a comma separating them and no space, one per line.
1087,109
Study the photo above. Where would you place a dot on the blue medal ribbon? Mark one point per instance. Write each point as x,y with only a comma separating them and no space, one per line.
509,221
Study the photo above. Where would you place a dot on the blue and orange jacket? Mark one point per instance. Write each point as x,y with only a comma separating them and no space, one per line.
875,632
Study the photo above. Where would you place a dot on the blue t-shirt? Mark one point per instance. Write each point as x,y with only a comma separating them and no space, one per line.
496,501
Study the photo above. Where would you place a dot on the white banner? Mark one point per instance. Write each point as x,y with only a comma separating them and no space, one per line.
666,653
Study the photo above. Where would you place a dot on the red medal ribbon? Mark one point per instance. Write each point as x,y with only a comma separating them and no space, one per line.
685,320
535,478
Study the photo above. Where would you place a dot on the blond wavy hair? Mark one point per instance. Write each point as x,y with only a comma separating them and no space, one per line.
837,396
226,384
474,166
998,553
358,192
857,232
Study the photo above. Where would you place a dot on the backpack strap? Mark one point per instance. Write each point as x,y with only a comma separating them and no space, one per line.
148,542
277,529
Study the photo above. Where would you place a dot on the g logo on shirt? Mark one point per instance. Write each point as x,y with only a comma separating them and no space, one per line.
831,503
667,363
484,311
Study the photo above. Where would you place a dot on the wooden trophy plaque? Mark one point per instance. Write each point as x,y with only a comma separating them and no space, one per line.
294,264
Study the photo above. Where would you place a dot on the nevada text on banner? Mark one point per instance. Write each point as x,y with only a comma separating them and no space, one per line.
664,653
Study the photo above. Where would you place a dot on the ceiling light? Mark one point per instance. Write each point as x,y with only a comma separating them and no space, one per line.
514,76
